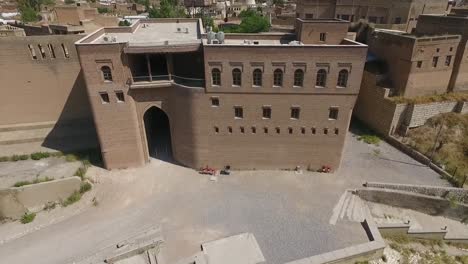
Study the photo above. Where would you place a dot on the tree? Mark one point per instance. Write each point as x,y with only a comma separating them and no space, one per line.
124,23
254,24
28,14
167,9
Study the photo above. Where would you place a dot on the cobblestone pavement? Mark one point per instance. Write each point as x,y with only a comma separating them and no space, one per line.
288,213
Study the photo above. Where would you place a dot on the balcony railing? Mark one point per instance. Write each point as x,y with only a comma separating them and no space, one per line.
190,82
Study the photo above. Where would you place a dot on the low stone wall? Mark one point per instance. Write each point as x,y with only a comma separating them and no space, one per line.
418,114
422,203
351,255
417,156
16,201
444,192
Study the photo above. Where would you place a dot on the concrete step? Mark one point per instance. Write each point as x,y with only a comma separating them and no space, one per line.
27,126
38,132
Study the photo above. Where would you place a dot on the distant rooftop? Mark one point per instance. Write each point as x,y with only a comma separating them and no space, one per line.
418,37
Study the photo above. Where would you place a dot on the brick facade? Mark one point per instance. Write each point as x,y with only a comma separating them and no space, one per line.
203,134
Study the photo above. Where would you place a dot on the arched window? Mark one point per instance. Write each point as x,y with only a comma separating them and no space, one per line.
342,78
216,76
299,78
106,73
257,77
236,77
278,77
321,78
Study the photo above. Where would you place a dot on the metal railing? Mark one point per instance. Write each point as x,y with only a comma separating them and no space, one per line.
190,82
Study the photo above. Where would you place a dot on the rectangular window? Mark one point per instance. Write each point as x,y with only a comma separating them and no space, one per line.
42,51
314,131
295,112
325,131
435,60
419,64
290,130
230,130
216,129
32,52
323,36
120,96
265,130
309,16
242,130
104,98
437,50
51,51
397,20
303,130
278,130
266,112
448,60
337,131
238,112
214,101
254,130
451,48
65,51
333,113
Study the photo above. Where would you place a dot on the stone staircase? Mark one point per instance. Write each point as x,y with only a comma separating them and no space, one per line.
46,136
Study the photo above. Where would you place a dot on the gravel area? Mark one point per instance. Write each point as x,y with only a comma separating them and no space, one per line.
288,213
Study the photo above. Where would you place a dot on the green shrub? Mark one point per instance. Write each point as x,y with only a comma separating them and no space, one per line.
22,183
73,198
40,155
71,157
4,159
81,172
37,180
15,158
85,186
28,218
370,139
24,157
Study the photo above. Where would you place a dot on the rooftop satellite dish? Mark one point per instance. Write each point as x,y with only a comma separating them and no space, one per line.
106,38
220,37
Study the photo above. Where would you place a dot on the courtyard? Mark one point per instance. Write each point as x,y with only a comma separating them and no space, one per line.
288,213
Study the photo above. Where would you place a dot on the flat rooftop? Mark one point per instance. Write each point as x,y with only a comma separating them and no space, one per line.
150,32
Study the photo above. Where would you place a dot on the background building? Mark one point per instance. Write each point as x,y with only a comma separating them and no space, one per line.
374,11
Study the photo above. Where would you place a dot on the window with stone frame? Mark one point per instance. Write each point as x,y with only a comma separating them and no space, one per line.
257,77
342,78
298,78
238,112
106,73
321,80
236,77
278,77
216,77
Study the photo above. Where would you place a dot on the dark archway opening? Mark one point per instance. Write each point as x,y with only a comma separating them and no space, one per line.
158,134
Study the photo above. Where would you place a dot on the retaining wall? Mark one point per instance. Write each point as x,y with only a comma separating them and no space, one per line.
16,201
351,255
423,203
458,193
374,108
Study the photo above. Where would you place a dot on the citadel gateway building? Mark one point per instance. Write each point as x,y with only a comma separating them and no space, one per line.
165,88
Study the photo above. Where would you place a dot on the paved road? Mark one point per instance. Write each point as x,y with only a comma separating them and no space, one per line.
289,214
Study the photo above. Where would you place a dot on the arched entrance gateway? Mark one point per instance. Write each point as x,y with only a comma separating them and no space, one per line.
158,134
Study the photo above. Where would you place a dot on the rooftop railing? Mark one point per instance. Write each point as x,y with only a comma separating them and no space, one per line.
190,82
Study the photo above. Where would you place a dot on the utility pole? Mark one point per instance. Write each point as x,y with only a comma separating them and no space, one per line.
435,142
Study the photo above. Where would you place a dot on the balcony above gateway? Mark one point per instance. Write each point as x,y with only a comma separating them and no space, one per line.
151,35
